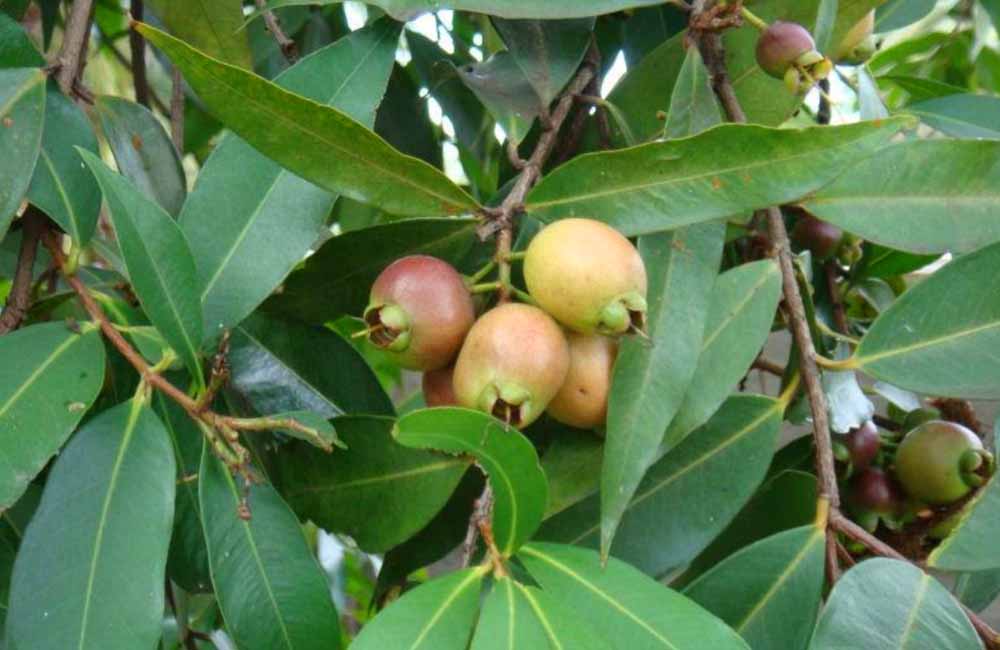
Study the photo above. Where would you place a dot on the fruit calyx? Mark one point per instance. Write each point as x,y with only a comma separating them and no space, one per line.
624,314
388,327
510,403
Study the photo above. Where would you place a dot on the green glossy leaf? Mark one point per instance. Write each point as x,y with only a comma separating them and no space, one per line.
882,262
213,27
741,310
280,365
870,104
95,553
961,116
770,591
438,615
377,491
625,607
572,465
13,523
249,222
906,197
896,14
271,590
971,545
550,9
22,113
978,590
547,52
187,562
886,604
16,48
689,495
61,186
502,87
508,620
321,144
651,378
693,107
159,262
785,501
922,88
336,280
918,346
143,151
563,626
520,490
49,378
726,170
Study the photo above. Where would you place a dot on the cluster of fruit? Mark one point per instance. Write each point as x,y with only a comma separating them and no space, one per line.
936,464
587,284
787,51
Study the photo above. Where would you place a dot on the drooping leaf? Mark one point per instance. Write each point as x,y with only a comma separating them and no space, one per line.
547,52
884,604
249,222
16,48
520,490
438,615
970,547
49,378
896,14
625,607
143,151
785,501
689,495
95,553
740,313
212,27
650,379
961,116
61,186
160,264
22,113
770,591
280,365
271,590
187,562
321,144
723,171
551,9
693,108
336,280
564,627
917,345
377,491
906,196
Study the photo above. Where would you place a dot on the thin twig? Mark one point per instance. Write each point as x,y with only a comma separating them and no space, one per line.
74,42
825,108
764,365
123,60
288,47
19,299
137,46
177,112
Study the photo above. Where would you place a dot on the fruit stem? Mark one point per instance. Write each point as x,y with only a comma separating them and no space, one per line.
482,273
486,287
523,296
753,19
516,256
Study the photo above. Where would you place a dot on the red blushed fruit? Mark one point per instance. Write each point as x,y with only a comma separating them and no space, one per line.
781,45
863,444
438,390
582,401
820,237
420,311
872,490
513,362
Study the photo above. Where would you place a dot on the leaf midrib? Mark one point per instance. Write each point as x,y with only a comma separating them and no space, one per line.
33,377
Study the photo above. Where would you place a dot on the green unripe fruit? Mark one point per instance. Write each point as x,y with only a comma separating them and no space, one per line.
437,387
588,277
858,45
513,362
821,238
419,311
582,401
940,462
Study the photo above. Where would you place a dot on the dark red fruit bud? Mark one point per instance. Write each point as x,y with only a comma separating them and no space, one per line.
438,389
863,444
780,46
873,490
420,311
820,237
